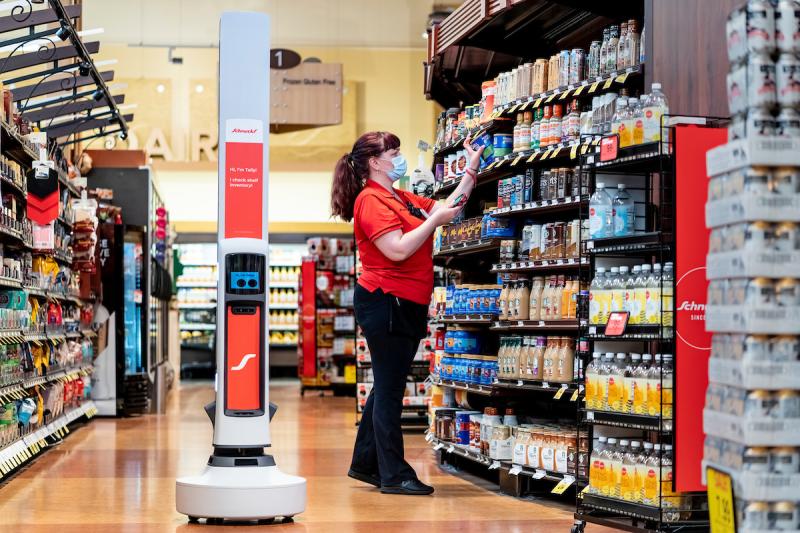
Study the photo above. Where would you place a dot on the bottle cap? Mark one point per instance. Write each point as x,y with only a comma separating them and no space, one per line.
612,440
601,185
620,186
656,86
624,442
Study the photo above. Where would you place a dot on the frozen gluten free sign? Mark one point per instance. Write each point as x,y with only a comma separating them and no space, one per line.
244,178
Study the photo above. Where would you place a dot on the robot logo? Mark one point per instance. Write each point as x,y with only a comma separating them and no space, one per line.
243,362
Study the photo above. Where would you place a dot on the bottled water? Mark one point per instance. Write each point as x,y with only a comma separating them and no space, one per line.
596,294
618,282
654,107
600,212
624,212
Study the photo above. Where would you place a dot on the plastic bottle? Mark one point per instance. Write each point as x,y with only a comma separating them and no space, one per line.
592,376
600,210
652,311
601,401
652,477
618,119
640,376
555,124
639,305
535,301
613,40
667,289
604,52
624,116
634,41
503,301
597,467
607,488
535,126
654,108
630,281
637,120
667,371
628,473
654,387
622,46
619,279
616,384
634,363
556,299
641,470
617,456
596,293
624,211
669,498
544,128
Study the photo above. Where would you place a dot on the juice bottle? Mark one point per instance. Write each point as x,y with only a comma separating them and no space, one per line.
666,386
597,467
544,128
616,384
618,119
602,382
592,376
625,118
637,120
641,470
627,485
572,304
654,387
523,301
639,405
667,295
630,280
596,295
616,468
535,301
549,359
640,296
652,477
652,312
566,360
538,358
617,285
566,296
556,299
607,489
502,301
630,381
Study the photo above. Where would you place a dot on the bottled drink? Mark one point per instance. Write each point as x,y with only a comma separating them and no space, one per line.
634,42
634,363
525,131
654,107
555,124
640,286
535,126
653,300
604,52
622,46
625,117
618,282
616,467
607,456
592,381
544,128
624,211
669,498
667,371
618,119
640,377
596,290
642,470
517,132
597,470
602,382
535,302
652,477
613,40
616,384
628,473
628,299
600,210
654,387
667,311
636,118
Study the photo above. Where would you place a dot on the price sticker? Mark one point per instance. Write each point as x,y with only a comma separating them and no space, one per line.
438,446
525,105
539,474
573,151
575,394
428,437
516,160
564,95
563,485
519,383
550,98
622,77
608,83
515,470
560,392
579,90
451,449
721,513
532,157
617,322
547,153
589,415
584,149
495,465
537,103
555,153
593,88
609,148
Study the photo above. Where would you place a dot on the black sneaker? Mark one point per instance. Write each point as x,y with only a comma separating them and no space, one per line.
410,487
372,479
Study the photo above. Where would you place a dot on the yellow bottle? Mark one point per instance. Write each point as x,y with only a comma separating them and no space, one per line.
592,381
654,388
616,385
666,385
628,474
640,385
653,299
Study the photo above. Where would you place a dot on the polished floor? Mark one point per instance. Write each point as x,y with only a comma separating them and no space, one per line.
118,475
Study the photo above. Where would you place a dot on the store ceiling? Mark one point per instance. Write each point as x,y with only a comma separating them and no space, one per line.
335,23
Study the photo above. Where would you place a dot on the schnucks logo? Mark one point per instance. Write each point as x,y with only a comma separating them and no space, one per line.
690,309
243,363
240,130
691,306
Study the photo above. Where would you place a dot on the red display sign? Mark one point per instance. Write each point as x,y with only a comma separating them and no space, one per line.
617,322
307,349
244,179
692,343
243,361
609,146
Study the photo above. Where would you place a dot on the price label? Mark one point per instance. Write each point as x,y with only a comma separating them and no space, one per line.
563,485
608,83
514,108
438,446
525,105
532,157
547,153
545,385
617,322
584,149
428,437
589,415
516,160
564,95
537,103
720,502
555,153
579,90
593,88
515,470
575,394
495,465
501,163
585,489
621,78
550,98
519,383
539,474
573,151
560,392
609,148
451,449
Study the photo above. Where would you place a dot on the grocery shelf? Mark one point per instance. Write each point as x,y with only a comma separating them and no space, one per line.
197,306
13,142
198,327
545,265
283,345
633,332
482,319
196,285
460,450
8,183
542,207
469,248
10,282
634,510
285,307
627,420
637,159
536,325
643,242
485,390
489,126
542,386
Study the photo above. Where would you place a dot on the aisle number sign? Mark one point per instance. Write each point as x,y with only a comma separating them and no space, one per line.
722,515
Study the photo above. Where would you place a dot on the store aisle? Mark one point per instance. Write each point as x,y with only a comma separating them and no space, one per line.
119,475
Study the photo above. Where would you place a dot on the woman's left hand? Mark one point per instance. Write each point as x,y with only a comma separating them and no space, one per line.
473,155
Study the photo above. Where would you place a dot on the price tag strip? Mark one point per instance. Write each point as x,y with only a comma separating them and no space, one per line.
563,485
495,465
560,392
515,470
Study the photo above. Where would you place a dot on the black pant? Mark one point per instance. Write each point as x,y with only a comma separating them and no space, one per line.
393,328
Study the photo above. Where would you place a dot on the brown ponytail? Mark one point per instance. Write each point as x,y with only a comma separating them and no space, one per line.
352,170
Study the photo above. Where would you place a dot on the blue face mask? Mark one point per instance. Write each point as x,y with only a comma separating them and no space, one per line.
400,167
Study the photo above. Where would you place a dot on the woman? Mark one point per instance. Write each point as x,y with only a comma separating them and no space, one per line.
393,231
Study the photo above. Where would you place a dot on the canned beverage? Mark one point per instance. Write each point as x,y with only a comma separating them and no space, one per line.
784,348
563,68
593,60
787,26
788,123
760,26
761,84
756,460
715,188
784,516
785,460
787,79
756,516
736,83
756,348
760,123
760,292
787,292
788,404
577,65
759,404
787,237
757,237
737,128
756,180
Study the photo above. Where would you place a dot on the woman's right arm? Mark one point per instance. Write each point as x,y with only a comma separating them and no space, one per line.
399,246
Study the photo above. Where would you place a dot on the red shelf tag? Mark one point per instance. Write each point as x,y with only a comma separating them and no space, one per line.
617,322
608,148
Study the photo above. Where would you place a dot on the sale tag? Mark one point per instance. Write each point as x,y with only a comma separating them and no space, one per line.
593,88
438,446
537,103
579,90
516,160
533,156
550,98
495,465
721,513
451,449
617,322
525,105
575,394
584,149
539,474
621,78
515,470
560,392
573,152
428,437
563,485
608,83
609,147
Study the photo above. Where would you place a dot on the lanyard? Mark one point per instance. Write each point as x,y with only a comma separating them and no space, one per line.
408,205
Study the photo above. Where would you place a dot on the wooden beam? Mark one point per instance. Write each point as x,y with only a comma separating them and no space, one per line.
55,86
69,129
48,113
35,18
38,58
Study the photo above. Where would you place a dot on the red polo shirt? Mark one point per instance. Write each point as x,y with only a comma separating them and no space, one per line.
376,213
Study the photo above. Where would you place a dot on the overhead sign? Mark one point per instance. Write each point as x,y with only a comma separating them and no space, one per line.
282,58
306,96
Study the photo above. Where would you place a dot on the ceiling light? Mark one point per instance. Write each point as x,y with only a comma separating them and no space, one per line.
199,88
160,88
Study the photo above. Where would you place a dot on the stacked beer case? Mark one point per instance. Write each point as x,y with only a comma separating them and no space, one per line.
752,413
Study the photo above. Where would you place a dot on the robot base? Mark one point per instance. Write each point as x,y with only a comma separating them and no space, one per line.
241,493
